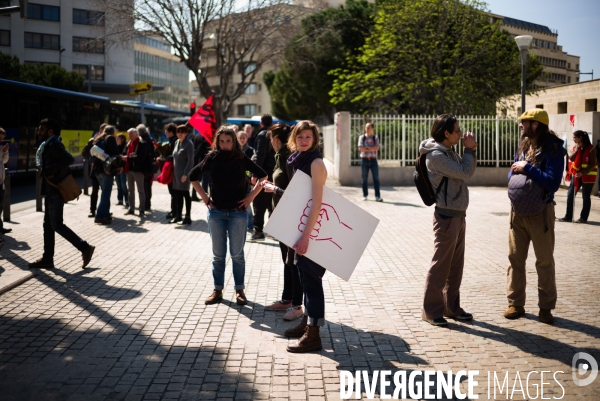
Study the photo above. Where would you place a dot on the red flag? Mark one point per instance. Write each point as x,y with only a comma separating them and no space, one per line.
205,121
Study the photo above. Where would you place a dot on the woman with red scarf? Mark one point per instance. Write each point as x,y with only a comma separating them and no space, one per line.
583,171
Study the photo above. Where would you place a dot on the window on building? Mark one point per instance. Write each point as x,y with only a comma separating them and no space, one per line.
569,65
569,79
39,63
88,45
4,38
43,12
259,87
562,108
539,106
97,71
246,110
42,41
591,104
577,67
250,90
247,68
3,4
85,17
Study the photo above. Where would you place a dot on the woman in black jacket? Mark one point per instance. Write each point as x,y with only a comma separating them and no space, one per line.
229,199
108,143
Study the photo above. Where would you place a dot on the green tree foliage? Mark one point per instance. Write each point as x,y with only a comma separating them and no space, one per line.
300,89
433,57
53,76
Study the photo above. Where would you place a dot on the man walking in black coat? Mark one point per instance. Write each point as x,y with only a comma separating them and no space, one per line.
54,161
264,157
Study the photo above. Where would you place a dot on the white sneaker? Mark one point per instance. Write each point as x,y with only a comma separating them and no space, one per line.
293,313
364,198
378,200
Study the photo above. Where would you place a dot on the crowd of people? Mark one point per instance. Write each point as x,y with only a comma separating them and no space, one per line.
232,177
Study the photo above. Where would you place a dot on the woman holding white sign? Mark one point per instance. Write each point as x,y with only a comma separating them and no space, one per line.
229,199
306,157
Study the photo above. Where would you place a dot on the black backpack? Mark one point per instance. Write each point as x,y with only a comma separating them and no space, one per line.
423,184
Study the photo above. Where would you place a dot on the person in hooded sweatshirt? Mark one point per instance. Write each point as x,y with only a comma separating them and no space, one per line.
442,287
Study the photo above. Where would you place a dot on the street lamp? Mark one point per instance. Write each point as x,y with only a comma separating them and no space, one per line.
60,52
523,42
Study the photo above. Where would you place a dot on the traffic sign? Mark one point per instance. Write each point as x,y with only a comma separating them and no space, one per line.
140,88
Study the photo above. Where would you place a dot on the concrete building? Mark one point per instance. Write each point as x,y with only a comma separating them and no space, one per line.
580,97
154,62
70,33
560,67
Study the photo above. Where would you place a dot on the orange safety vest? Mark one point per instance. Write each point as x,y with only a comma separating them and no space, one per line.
591,176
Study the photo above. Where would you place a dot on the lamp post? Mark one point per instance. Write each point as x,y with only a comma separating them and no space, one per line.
523,42
60,52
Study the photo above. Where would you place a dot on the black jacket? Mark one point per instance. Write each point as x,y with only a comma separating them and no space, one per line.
201,148
55,165
141,157
109,145
265,155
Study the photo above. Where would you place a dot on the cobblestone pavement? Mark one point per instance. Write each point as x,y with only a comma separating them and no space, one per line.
134,326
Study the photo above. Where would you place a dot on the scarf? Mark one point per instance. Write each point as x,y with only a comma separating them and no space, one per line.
130,150
302,160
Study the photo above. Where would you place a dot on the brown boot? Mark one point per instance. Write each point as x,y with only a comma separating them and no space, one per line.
298,331
514,312
240,297
546,316
215,297
310,341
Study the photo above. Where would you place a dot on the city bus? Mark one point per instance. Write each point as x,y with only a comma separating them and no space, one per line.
23,105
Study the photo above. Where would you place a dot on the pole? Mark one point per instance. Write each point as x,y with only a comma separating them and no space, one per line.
523,79
143,117
89,77
6,195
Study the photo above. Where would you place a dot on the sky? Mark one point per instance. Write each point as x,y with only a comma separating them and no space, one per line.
577,22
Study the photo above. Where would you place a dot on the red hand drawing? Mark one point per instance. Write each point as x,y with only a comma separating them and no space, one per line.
320,231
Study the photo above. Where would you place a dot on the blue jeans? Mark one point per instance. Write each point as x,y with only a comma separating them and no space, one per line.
53,223
586,192
223,224
314,298
365,165
122,187
250,218
106,183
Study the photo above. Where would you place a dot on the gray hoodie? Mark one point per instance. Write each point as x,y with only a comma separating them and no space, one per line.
441,162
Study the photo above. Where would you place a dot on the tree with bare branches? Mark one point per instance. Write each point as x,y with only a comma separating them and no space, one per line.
222,44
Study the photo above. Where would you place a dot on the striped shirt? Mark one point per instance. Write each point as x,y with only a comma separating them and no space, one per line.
368,142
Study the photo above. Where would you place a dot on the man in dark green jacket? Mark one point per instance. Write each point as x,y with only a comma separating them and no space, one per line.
54,161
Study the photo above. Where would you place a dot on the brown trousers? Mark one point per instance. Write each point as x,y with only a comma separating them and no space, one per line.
442,287
526,229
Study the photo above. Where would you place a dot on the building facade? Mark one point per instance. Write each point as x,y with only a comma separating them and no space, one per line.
69,33
559,67
154,62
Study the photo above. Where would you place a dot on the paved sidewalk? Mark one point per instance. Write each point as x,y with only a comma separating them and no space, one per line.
133,326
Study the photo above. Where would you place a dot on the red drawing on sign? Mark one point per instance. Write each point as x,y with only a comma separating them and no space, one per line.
326,214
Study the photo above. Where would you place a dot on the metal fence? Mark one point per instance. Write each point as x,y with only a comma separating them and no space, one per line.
400,136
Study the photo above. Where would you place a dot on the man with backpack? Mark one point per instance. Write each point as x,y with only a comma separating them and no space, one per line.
447,173
533,179
368,145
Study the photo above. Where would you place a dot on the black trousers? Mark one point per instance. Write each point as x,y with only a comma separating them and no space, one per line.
179,197
53,223
95,190
148,177
262,203
292,286
173,201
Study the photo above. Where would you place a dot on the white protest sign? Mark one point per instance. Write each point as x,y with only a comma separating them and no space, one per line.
340,235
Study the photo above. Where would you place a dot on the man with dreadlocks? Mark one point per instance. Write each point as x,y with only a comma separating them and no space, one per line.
533,179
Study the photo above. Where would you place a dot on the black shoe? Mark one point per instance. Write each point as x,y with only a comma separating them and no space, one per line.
129,212
42,264
92,214
259,235
580,221
103,222
186,221
169,215
87,256
1,244
565,220
465,316
6,230
175,220
120,203
440,321
142,213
